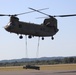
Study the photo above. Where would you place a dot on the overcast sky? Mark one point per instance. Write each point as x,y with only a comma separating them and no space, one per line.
64,44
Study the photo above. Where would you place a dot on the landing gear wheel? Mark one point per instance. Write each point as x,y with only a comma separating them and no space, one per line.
29,36
21,37
52,38
42,38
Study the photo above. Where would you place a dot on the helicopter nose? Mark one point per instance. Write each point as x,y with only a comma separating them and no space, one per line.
7,28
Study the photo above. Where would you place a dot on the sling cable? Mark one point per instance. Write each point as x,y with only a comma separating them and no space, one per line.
28,66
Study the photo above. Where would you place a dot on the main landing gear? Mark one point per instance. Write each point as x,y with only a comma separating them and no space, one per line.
42,38
52,38
20,36
31,37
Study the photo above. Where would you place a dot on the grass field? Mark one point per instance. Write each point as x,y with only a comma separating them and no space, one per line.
43,67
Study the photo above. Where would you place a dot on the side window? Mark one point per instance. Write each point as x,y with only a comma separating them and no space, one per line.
20,26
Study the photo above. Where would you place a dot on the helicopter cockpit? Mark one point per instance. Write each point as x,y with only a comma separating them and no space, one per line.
14,21
13,18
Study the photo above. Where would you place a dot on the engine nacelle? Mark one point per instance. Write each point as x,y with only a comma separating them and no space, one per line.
50,22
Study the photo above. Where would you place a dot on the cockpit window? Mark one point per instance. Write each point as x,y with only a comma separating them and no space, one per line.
9,23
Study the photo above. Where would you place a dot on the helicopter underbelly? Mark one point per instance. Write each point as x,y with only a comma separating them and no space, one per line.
35,31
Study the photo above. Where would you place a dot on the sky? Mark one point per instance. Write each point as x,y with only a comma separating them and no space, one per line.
64,43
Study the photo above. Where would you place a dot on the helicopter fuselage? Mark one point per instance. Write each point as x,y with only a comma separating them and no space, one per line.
32,29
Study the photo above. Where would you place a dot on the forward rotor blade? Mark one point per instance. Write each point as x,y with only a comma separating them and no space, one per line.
70,15
22,13
31,11
4,15
40,12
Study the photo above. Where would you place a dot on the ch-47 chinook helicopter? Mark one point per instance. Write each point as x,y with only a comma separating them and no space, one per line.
46,29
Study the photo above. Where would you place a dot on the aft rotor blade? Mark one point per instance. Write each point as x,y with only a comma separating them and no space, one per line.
40,12
41,17
21,13
70,15
31,11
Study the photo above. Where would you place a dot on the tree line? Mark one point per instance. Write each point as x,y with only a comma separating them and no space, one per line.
66,60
